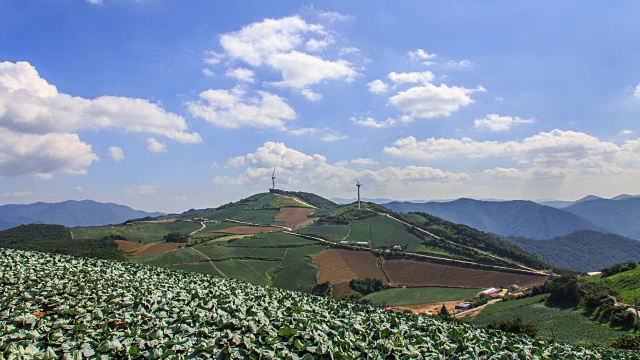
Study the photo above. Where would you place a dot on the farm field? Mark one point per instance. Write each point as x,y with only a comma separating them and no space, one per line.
164,308
565,325
338,267
294,217
420,295
381,231
330,232
622,283
511,304
186,255
200,268
128,246
417,273
159,248
296,271
263,217
272,240
144,232
283,202
247,230
219,252
251,271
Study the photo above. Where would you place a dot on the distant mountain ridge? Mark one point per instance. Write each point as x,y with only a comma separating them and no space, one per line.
617,216
69,213
506,218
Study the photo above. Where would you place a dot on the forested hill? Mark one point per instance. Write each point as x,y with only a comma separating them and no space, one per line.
583,251
506,218
617,216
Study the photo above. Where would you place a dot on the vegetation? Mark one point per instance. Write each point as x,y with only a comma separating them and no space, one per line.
470,238
618,268
176,237
57,239
563,292
345,215
419,295
515,325
312,199
625,285
582,251
323,290
366,286
329,232
628,341
143,232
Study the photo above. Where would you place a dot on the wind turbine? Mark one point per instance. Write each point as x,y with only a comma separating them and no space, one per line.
273,179
358,185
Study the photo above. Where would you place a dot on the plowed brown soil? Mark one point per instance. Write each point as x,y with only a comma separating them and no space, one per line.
244,230
417,273
294,217
128,246
154,249
338,267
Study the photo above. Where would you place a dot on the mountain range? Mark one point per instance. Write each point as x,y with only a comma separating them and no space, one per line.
536,221
69,213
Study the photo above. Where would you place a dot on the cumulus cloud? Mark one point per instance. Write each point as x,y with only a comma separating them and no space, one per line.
332,16
627,132
241,74
232,109
460,64
296,169
303,131
278,44
42,155
378,86
364,161
155,146
495,122
116,153
430,101
557,144
208,72
29,104
424,77
77,188
636,92
420,55
95,2
373,123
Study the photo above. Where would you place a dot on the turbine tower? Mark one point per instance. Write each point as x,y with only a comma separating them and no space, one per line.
273,179
358,185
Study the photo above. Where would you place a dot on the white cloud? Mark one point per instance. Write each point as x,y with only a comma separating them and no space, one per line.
424,77
430,101
296,169
461,64
241,74
420,54
333,137
143,189
29,104
636,93
349,50
208,72
116,153
332,16
364,161
95,2
310,95
277,44
378,86
373,123
42,155
18,194
232,109
495,122
627,132
303,131
155,146
552,148
77,188
212,57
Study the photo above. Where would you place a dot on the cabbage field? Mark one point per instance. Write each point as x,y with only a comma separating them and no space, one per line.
54,306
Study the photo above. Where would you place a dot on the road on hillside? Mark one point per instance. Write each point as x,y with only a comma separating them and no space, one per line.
211,262
202,228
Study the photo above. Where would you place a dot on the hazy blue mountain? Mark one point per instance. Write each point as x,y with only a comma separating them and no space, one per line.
617,216
582,250
68,213
558,204
625,196
506,218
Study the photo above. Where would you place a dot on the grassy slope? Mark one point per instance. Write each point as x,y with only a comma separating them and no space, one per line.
330,232
566,325
296,271
420,295
145,233
622,284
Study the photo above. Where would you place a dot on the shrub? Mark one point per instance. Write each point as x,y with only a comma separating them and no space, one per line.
366,286
322,290
516,325
176,237
628,342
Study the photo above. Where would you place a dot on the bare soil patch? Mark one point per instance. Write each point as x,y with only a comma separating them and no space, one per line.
247,230
155,249
338,267
128,246
417,273
294,217
433,308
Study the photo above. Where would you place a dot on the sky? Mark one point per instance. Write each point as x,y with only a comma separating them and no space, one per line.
167,105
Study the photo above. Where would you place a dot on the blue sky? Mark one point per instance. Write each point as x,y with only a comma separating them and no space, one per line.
168,105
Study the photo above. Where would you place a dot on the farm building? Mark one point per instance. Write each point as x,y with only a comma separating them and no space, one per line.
463,306
514,288
489,290
396,248
361,243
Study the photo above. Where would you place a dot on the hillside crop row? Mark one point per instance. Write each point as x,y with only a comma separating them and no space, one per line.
54,305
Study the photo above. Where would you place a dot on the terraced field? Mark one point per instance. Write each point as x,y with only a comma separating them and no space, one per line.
420,295
329,232
338,267
247,230
143,232
294,217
